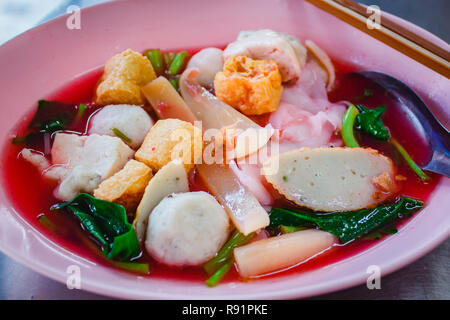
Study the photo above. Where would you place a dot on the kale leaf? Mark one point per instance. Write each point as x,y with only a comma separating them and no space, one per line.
369,120
52,116
348,225
107,222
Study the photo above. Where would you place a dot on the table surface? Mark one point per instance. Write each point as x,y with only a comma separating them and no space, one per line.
426,278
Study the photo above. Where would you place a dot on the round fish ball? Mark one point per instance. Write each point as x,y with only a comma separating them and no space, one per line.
209,61
186,229
132,120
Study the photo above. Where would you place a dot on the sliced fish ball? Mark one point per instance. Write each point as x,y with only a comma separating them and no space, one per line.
169,179
332,179
186,229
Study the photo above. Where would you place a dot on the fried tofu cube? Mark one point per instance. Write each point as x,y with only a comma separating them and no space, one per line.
251,86
168,140
127,186
123,77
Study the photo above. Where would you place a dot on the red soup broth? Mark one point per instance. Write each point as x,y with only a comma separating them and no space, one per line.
32,196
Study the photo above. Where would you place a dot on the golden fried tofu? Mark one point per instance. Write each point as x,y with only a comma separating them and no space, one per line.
127,186
168,140
123,77
251,86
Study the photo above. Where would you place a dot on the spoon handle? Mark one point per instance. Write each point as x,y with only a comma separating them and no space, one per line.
440,161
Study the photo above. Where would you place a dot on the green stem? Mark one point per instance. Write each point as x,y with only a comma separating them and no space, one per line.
121,135
81,110
47,223
175,83
347,127
410,161
236,240
218,276
290,229
141,268
178,63
168,58
156,59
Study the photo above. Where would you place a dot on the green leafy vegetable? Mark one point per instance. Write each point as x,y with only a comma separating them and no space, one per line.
175,83
348,225
218,276
290,229
168,57
156,59
237,239
141,268
81,110
52,126
219,266
52,116
410,161
376,235
367,93
369,120
178,63
47,223
27,139
347,127
107,222
121,135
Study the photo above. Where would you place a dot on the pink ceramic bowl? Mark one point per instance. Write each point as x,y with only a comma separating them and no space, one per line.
40,60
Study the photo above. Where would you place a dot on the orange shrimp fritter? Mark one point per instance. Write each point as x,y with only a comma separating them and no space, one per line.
251,86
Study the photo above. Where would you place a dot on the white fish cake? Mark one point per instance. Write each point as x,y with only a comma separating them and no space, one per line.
88,161
332,179
131,120
187,229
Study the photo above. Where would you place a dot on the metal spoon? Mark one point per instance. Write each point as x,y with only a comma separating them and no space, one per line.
436,135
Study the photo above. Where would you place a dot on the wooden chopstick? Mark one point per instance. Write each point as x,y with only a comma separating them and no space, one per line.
395,27
390,33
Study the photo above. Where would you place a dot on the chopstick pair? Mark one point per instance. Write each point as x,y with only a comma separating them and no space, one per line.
390,33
